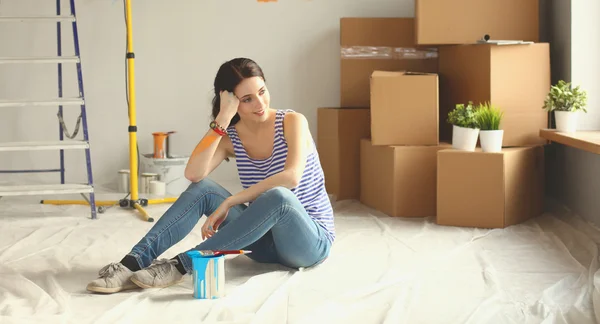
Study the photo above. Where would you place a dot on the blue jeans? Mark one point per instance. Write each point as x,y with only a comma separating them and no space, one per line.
275,227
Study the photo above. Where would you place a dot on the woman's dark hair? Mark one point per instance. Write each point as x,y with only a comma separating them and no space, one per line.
230,74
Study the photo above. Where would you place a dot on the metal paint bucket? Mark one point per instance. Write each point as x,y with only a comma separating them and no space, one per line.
208,276
123,185
161,145
145,180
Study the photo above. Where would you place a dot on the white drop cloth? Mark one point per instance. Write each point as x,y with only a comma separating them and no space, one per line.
381,270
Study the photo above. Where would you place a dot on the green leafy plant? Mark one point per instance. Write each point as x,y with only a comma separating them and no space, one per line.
463,116
563,97
488,116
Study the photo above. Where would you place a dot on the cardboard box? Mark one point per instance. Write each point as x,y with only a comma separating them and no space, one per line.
516,78
404,108
339,131
369,44
490,190
399,180
442,22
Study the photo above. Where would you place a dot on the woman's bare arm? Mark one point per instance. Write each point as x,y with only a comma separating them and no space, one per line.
208,154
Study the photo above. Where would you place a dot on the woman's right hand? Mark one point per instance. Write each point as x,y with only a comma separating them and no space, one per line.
229,105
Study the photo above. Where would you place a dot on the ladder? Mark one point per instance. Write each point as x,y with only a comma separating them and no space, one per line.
62,144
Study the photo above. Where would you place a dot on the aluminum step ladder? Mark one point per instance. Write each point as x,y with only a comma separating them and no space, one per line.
61,144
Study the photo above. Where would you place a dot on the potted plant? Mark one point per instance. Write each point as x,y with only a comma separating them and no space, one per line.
464,127
566,102
488,118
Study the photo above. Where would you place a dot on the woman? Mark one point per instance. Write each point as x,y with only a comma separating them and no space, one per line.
283,215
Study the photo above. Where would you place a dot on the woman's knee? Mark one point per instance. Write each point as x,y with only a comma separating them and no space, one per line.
279,193
201,186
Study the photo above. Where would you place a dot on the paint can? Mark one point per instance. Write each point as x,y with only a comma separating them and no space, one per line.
123,181
145,180
161,145
208,276
171,171
158,188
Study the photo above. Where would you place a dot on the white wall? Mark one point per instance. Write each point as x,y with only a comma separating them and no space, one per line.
585,54
573,175
179,46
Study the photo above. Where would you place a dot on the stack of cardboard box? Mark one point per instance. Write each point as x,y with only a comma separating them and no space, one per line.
388,144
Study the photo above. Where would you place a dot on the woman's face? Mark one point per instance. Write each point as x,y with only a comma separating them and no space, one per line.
254,99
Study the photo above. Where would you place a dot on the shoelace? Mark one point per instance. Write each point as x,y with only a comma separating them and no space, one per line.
109,270
156,269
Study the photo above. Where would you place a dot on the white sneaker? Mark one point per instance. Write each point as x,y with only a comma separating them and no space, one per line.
113,278
162,273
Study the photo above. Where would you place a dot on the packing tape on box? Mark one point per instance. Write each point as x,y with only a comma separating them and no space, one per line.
384,52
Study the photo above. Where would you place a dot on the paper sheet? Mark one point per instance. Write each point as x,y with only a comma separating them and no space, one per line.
381,270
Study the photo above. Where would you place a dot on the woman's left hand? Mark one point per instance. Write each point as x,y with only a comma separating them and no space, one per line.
212,223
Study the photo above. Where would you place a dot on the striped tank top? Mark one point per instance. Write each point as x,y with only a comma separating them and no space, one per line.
310,191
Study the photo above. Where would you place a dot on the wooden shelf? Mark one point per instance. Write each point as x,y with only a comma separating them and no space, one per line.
584,140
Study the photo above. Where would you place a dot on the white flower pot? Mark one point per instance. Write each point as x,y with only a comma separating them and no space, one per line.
491,140
566,121
463,138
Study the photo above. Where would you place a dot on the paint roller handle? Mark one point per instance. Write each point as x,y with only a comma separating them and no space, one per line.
223,252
